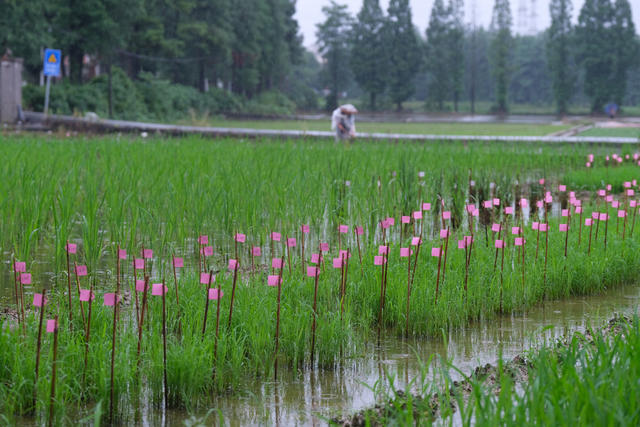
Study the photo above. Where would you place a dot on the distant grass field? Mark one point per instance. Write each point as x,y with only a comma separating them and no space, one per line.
506,129
621,132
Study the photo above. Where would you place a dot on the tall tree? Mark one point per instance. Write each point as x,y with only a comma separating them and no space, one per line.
501,22
438,56
245,74
91,26
625,46
479,81
456,48
369,53
205,32
24,30
333,40
404,51
530,81
559,51
471,58
597,50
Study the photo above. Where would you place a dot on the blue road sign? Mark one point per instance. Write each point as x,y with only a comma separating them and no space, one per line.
52,60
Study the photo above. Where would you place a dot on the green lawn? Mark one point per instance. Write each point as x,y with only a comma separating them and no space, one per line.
508,129
622,132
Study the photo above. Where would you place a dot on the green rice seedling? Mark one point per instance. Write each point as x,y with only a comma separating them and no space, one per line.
167,192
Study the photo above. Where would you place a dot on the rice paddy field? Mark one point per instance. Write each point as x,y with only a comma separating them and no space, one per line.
625,132
157,273
434,128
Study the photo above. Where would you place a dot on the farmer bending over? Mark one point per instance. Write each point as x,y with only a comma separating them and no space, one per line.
343,122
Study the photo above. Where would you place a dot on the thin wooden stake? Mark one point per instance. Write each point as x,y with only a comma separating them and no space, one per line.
113,336
38,346
54,364
206,306
438,277
164,344
87,335
84,321
141,323
69,288
277,342
175,281
233,291
314,316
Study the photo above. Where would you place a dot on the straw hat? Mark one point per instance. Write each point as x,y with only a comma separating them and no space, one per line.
348,109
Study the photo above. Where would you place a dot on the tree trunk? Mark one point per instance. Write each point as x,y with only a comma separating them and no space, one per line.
110,88
75,64
201,77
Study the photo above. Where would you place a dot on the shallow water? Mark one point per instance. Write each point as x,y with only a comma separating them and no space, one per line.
310,398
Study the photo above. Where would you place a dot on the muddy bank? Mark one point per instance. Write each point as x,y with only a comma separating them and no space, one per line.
487,377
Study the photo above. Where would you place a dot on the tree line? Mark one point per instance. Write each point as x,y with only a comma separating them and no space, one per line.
594,61
252,47
243,46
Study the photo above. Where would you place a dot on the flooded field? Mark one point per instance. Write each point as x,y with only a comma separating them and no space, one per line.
279,282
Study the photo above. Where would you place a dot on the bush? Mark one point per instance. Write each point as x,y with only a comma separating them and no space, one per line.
150,98
270,103
127,100
65,98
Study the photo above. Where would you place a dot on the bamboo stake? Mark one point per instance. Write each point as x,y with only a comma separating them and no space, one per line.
164,345
406,329
206,307
438,277
17,292
277,342
54,364
84,321
233,291
141,323
113,336
87,335
35,382
175,281
69,288
315,315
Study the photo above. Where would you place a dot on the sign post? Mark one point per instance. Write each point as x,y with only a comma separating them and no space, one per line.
52,59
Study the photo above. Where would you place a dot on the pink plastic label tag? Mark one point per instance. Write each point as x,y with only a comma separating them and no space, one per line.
215,293
85,294
274,280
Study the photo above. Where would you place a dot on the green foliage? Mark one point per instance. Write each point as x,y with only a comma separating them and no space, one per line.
559,51
15,17
369,53
404,51
118,190
151,98
530,80
270,103
333,41
437,62
584,379
607,49
456,49
500,52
